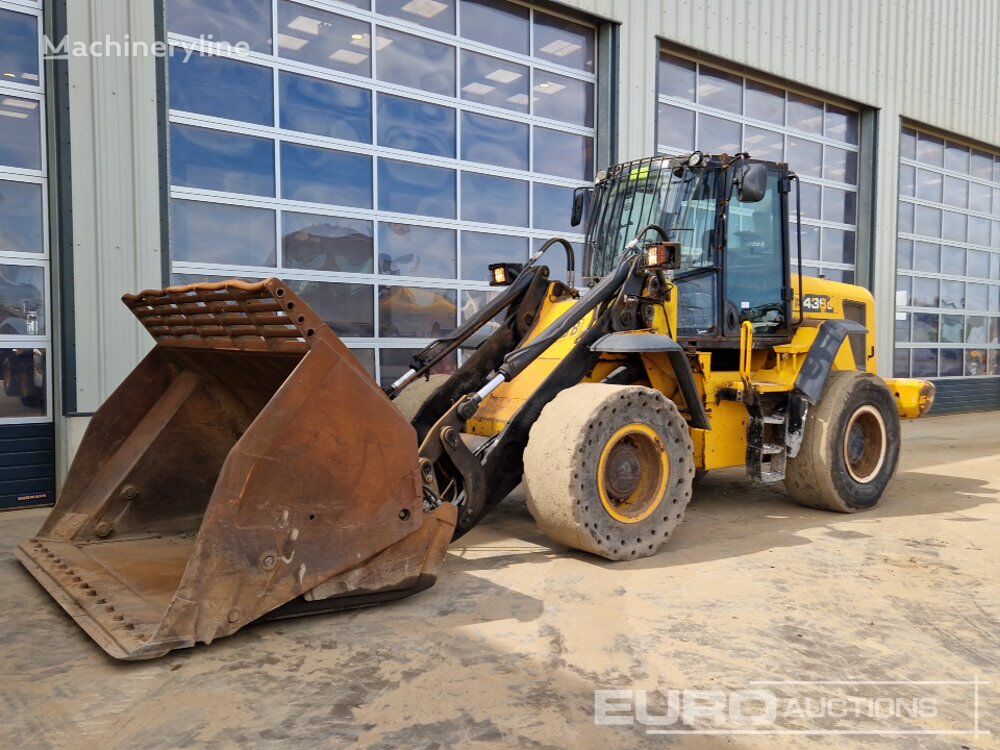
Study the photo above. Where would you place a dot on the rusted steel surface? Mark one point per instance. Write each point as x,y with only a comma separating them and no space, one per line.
249,460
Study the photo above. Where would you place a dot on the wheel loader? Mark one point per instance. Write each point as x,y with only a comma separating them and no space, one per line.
250,468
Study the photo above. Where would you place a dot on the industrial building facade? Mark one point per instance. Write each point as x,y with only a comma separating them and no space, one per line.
378,154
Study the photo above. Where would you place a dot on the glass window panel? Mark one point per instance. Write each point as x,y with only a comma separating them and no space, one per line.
25,369
415,312
497,23
18,47
839,205
982,165
22,301
994,294
716,135
925,292
995,266
416,126
996,169
565,42
480,249
216,160
925,327
21,224
993,336
904,288
979,197
675,128
216,233
952,261
720,90
325,108
929,185
765,102
492,140
908,144
905,217
838,246
20,133
434,14
956,191
230,21
977,296
901,363
394,362
996,202
926,257
564,154
841,124
902,330
954,226
219,87
763,144
838,274
925,363
805,157
418,63
927,221
494,200
566,99
977,363
490,80
907,180
930,150
811,201
327,243
951,362
677,77
810,242
952,294
407,250
952,329
956,158
976,329
979,231
840,165
347,308
324,39
805,114
416,189
319,175
995,235
552,207
904,254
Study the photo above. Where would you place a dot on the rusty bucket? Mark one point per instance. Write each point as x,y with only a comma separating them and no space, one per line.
249,466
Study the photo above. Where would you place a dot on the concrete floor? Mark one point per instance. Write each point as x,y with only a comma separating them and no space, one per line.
508,648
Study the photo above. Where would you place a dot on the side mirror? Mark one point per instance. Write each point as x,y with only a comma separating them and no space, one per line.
752,183
580,196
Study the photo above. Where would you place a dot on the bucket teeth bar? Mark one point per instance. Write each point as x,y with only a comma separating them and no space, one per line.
249,466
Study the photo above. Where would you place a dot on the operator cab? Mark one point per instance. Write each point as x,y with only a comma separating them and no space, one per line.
729,217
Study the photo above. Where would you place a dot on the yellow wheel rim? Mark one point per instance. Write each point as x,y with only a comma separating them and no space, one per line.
632,473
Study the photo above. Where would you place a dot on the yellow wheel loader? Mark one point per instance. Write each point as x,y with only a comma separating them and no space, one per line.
249,467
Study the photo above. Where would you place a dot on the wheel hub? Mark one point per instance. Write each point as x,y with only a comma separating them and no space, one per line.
632,474
623,470
865,444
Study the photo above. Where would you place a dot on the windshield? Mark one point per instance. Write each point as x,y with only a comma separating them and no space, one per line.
645,192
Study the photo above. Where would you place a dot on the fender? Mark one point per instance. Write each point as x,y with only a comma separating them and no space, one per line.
639,342
819,361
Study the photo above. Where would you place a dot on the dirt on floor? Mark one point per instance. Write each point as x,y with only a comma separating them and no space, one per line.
508,649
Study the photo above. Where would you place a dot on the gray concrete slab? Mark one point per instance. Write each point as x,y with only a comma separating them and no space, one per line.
510,645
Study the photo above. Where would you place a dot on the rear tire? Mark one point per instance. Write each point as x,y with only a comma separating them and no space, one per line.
415,395
608,469
850,447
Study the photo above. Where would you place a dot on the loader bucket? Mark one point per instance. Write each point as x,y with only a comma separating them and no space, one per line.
249,466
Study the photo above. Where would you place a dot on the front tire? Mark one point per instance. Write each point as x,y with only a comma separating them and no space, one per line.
609,469
850,447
